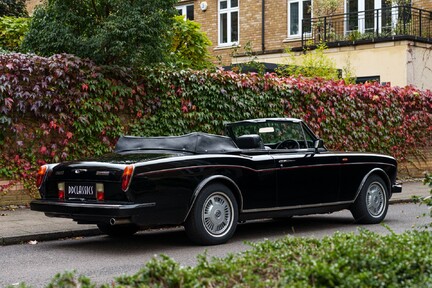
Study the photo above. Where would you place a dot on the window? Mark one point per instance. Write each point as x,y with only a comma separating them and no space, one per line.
228,22
299,10
365,79
186,10
370,16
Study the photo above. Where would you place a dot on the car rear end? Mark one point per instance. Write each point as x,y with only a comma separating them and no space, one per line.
87,192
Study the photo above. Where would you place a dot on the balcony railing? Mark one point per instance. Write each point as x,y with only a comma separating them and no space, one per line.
389,23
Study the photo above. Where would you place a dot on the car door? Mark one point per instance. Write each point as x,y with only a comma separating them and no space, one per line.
305,177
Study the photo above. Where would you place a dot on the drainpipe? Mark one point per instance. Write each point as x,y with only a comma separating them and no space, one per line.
263,27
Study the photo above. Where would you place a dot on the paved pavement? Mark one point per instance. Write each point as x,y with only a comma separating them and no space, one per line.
25,226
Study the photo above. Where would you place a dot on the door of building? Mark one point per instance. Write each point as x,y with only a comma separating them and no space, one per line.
369,16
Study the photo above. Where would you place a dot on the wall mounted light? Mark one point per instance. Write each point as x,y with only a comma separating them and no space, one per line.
203,6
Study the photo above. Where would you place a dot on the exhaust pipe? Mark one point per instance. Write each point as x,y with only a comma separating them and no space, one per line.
120,221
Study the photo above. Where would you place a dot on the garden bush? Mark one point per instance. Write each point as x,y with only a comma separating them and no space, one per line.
189,45
366,259
15,8
115,32
64,107
12,32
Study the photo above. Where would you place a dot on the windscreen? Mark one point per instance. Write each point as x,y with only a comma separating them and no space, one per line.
272,132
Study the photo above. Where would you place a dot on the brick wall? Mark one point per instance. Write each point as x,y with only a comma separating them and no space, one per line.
416,165
16,195
422,4
250,27
276,27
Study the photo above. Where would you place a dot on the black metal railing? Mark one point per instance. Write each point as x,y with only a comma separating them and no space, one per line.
388,23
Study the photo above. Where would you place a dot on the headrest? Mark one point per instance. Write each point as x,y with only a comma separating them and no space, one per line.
250,141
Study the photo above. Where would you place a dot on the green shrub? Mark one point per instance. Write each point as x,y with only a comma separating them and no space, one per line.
15,8
313,63
115,32
12,31
366,259
189,45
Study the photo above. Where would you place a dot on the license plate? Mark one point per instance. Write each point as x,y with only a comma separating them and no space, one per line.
81,190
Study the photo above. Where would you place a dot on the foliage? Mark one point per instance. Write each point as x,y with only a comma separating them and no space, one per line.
189,46
366,259
251,65
15,8
3,51
62,108
426,200
314,63
128,33
323,8
398,2
12,31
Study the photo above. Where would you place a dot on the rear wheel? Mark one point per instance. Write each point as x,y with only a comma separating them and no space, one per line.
371,205
122,230
213,218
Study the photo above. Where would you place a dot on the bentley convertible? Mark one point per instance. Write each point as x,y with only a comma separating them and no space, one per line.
262,168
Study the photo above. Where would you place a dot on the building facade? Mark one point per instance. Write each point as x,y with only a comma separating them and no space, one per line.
383,40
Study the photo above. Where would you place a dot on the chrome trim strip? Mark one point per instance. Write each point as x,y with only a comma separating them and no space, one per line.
296,207
261,170
202,166
100,206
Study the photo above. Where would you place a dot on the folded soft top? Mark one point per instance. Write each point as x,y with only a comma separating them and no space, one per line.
196,142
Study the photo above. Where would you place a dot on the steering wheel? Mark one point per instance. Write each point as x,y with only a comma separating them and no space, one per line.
288,144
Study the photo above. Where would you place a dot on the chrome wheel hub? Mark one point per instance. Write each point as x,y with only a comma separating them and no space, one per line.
217,214
375,199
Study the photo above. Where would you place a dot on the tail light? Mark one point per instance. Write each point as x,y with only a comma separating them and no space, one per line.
61,190
41,175
100,193
127,177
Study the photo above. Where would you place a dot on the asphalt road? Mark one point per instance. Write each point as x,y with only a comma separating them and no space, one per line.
102,258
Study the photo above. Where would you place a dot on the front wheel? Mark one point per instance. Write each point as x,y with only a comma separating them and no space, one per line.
213,218
371,204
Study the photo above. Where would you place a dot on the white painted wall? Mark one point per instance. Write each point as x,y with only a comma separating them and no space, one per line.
399,62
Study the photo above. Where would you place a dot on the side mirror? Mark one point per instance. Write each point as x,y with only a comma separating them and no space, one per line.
319,143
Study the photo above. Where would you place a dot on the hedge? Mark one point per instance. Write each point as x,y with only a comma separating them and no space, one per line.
366,259
63,107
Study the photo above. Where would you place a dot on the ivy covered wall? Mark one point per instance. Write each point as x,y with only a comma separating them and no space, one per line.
62,108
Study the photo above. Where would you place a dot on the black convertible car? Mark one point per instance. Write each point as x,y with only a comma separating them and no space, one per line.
263,168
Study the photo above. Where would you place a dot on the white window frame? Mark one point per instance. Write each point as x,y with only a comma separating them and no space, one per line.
361,16
300,11
229,10
183,9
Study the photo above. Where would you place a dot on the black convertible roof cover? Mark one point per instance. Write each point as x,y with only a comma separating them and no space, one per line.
196,142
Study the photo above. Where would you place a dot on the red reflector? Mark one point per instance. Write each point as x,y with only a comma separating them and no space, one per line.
127,177
100,195
61,194
61,190
41,175
100,192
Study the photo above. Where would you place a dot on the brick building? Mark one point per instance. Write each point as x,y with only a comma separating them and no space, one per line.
380,39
